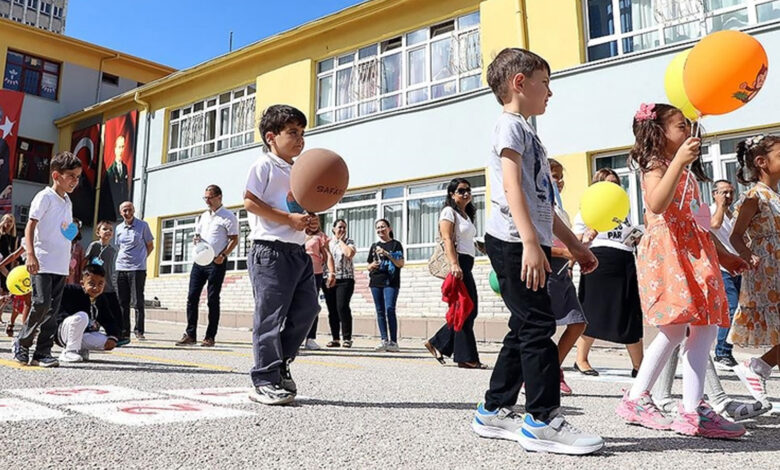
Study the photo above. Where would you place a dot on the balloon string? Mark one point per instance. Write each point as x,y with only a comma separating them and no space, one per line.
688,167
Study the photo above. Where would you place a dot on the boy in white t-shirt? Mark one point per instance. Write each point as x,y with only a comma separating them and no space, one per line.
281,272
48,236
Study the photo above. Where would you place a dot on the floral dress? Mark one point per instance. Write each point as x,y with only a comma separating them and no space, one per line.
677,265
757,319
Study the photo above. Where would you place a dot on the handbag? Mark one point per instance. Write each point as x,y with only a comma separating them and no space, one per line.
438,264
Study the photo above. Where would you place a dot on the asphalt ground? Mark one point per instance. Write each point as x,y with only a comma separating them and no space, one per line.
355,409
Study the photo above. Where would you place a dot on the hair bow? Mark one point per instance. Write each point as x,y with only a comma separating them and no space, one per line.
645,112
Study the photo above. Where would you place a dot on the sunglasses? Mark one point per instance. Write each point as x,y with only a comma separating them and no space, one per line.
208,198
463,191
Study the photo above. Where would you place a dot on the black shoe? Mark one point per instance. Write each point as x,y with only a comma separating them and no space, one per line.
634,373
287,381
46,361
21,354
272,394
590,372
725,362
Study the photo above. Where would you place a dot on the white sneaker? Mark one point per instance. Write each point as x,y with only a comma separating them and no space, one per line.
382,346
70,356
753,381
311,344
392,346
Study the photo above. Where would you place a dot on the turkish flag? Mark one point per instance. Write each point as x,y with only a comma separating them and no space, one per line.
10,113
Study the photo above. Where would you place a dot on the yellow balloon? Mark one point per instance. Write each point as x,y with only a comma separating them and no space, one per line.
18,281
675,87
604,206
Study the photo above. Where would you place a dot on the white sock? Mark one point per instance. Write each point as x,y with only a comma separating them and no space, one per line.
760,367
696,354
656,357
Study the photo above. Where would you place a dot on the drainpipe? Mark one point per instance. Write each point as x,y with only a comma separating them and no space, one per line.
521,14
147,127
100,75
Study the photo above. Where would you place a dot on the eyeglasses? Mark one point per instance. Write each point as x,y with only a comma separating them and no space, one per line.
463,191
208,198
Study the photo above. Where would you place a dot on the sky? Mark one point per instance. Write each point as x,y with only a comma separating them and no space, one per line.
183,33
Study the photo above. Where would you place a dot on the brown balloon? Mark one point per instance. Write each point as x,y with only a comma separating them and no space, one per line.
318,179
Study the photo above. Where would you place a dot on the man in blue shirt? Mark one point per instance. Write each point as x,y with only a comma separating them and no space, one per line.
135,242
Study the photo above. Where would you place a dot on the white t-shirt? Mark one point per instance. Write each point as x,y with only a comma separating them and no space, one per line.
724,232
465,231
215,228
269,181
616,238
54,214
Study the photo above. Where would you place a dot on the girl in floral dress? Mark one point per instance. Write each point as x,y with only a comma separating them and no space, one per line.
681,288
757,319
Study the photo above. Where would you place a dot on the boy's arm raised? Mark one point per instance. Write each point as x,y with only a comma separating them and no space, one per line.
535,265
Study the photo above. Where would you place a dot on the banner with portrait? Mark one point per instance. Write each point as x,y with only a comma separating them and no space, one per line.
116,184
10,114
85,144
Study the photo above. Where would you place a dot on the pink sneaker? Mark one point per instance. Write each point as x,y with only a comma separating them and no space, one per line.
643,412
754,382
565,389
705,422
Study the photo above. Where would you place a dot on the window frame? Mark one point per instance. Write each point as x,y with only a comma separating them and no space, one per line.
25,68
704,20
375,99
13,173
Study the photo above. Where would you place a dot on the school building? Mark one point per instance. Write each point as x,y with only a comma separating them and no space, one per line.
397,88
53,75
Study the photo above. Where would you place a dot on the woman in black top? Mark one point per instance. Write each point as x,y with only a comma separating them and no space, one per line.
385,260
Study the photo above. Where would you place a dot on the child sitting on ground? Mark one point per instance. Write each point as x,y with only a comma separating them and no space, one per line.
83,311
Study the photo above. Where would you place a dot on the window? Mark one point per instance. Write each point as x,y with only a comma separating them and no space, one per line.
617,27
419,66
46,8
32,75
57,11
109,79
32,160
719,158
412,210
176,245
217,123
32,4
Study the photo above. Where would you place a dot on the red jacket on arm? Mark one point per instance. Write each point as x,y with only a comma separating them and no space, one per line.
460,305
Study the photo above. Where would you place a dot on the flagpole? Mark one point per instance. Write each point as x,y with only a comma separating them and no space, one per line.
99,174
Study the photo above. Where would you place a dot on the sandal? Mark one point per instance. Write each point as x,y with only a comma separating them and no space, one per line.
347,343
434,352
333,344
472,365
9,330
590,372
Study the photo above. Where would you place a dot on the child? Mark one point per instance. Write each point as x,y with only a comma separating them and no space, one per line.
317,248
82,312
757,321
518,240
47,245
19,304
102,253
563,296
77,259
281,272
681,287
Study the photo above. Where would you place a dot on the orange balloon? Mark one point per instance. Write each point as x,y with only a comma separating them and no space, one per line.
724,71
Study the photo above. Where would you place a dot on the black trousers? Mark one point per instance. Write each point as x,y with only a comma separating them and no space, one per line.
528,355
461,345
214,275
337,299
130,287
318,279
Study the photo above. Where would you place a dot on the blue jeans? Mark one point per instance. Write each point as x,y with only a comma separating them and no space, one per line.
384,301
732,283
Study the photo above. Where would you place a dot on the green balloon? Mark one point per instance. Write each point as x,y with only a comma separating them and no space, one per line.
494,282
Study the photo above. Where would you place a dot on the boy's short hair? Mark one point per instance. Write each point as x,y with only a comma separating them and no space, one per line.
508,63
64,161
277,116
94,270
102,223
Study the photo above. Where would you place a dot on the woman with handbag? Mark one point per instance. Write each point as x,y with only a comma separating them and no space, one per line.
457,229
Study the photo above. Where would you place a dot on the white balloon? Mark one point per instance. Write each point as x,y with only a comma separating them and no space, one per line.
203,254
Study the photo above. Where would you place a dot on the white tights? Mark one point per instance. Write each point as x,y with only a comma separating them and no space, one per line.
696,353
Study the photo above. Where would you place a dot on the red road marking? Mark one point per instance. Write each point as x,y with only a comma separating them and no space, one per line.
76,391
139,410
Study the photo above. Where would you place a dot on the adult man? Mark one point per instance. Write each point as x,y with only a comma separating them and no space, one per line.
219,228
135,242
116,174
721,225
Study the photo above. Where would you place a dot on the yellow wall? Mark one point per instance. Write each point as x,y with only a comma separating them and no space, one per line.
152,266
555,31
292,84
577,177
502,24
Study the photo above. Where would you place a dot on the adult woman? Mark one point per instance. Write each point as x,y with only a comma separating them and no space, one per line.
8,244
385,260
339,296
318,250
610,294
456,226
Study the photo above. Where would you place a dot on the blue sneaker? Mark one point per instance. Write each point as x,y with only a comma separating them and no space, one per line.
557,436
21,354
46,361
122,342
500,424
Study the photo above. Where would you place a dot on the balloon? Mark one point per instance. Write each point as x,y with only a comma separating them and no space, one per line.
493,279
69,231
675,89
604,206
18,281
724,71
203,254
